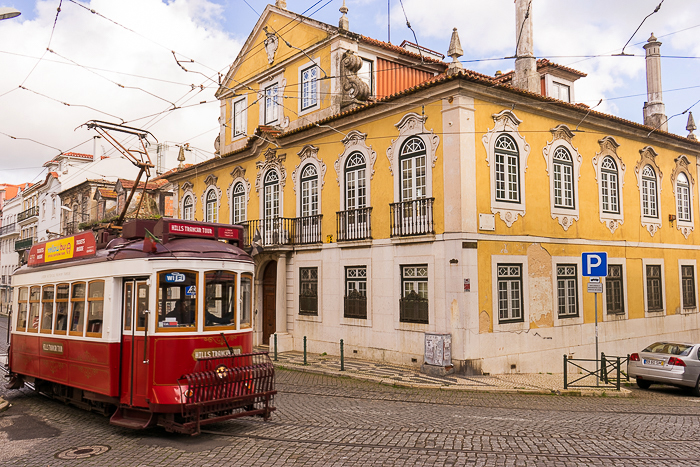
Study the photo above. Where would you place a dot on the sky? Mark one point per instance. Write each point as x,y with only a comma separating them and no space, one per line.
114,60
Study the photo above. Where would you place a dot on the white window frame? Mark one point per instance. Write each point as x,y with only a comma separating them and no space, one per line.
308,155
238,176
654,262
271,91
352,258
562,138
567,320
693,264
507,122
409,257
310,193
185,215
239,215
683,167
207,194
316,95
187,191
625,303
279,206
311,260
355,142
517,325
369,80
550,83
236,132
608,148
648,157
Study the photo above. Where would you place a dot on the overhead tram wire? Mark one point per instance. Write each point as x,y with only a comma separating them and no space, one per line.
70,105
640,25
408,24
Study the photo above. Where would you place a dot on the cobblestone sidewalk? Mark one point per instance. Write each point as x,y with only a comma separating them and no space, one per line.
404,376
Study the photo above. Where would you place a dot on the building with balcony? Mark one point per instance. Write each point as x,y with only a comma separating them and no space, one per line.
10,208
403,196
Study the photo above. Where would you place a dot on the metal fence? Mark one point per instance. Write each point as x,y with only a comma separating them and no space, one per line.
591,373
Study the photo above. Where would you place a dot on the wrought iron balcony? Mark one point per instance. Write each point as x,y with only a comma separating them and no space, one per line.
412,217
9,229
24,244
280,231
28,213
354,224
413,309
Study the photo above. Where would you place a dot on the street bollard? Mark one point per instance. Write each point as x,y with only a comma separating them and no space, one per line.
618,373
275,346
566,383
603,368
342,356
304,350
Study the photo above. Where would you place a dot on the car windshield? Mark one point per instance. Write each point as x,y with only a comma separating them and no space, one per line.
669,348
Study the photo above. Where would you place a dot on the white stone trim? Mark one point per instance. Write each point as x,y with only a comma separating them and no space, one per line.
302,67
407,260
521,326
231,122
187,189
410,125
562,136
608,148
683,166
301,261
579,288
648,157
366,262
355,141
693,263
211,182
625,304
653,262
506,122
238,176
272,162
308,155
278,79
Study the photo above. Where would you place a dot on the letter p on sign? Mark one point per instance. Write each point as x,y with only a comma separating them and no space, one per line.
595,264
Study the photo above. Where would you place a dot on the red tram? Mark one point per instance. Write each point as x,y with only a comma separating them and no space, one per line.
155,329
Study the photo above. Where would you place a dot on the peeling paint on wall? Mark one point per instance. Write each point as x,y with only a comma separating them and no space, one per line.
484,322
539,263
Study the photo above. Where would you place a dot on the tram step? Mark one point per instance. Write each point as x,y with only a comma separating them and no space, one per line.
132,418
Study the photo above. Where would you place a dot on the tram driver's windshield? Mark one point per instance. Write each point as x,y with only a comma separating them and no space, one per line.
177,298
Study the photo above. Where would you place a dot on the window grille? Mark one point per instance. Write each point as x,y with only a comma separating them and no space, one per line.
413,306
355,292
308,291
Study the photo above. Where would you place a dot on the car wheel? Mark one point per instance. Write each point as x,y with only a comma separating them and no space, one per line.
696,389
643,384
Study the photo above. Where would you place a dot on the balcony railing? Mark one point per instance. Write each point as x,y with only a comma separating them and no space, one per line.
8,229
355,305
283,231
413,309
354,224
412,217
24,244
27,213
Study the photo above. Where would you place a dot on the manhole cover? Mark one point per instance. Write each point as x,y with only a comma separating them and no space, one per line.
83,452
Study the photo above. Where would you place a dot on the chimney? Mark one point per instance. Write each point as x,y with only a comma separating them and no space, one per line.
526,76
95,144
654,109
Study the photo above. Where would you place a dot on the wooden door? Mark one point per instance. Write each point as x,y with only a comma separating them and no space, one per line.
269,324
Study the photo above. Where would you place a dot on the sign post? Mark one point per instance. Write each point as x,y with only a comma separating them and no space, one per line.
595,266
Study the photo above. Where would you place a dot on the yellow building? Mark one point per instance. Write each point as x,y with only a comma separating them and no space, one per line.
397,201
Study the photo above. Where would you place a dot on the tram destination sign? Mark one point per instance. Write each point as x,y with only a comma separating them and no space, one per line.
171,228
76,246
191,230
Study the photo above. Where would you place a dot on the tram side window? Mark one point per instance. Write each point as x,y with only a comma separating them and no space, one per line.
22,309
128,304
220,299
77,316
62,293
177,299
47,309
246,300
96,296
33,321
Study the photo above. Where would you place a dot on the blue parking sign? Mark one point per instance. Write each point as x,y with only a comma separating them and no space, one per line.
595,264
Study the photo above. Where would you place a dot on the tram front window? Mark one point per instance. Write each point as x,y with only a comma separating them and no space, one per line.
77,317
61,309
177,300
22,309
220,305
47,309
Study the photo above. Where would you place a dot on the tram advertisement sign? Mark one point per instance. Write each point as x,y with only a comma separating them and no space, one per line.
190,229
77,246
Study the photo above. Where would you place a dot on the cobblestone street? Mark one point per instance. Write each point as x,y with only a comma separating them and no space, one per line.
328,420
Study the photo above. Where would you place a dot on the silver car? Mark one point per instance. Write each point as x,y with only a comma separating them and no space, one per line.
668,363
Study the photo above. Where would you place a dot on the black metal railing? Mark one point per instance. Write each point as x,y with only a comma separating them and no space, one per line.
283,231
308,303
412,217
355,305
8,229
24,244
413,309
27,213
611,368
354,224
591,373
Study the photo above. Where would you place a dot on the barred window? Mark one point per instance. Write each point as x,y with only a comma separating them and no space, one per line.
567,290
308,291
507,170
614,302
654,288
356,292
413,306
688,285
510,296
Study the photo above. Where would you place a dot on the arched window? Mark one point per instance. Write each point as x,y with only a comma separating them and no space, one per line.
239,205
187,208
309,191
355,182
272,195
412,159
683,197
507,169
563,166
609,188
212,212
649,193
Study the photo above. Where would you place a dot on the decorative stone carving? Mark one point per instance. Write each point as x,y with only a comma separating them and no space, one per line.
683,166
506,122
238,175
309,152
608,148
355,141
354,89
271,44
187,186
648,157
413,124
272,161
211,180
562,136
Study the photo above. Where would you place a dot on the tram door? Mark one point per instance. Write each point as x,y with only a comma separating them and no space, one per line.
134,372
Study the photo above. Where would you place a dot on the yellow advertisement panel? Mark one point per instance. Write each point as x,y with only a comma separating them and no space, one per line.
59,249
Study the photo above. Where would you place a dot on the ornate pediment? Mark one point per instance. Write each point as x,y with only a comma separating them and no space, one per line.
187,186
562,132
237,172
309,152
682,165
272,161
412,124
506,120
211,180
355,141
